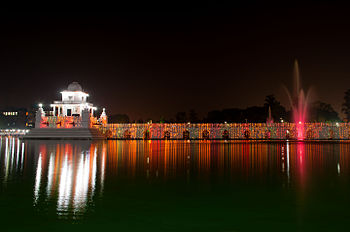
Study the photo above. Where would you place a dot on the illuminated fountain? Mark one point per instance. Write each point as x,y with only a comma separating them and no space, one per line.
269,118
299,104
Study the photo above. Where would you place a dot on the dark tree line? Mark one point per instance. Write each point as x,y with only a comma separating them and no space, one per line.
346,105
323,112
191,116
118,118
318,112
258,114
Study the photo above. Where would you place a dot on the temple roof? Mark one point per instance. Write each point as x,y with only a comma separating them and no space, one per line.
74,86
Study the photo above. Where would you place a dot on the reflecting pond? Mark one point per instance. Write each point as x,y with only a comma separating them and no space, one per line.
173,185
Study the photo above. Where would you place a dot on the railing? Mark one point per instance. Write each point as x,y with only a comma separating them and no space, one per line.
60,122
13,132
66,122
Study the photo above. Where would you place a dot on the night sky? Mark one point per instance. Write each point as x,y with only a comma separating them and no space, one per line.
147,61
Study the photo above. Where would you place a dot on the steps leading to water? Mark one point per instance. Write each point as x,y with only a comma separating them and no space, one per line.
63,133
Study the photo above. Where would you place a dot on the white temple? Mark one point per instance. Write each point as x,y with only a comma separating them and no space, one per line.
71,118
73,102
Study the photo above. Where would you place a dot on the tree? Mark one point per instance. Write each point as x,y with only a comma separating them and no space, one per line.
250,114
118,118
270,100
162,119
181,117
215,116
254,114
233,115
323,112
277,110
346,104
193,116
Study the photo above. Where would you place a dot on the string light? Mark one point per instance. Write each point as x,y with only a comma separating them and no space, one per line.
232,130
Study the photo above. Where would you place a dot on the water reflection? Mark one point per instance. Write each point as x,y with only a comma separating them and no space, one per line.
70,174
12,158
289,161
67,172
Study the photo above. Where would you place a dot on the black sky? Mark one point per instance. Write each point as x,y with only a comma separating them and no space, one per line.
147,61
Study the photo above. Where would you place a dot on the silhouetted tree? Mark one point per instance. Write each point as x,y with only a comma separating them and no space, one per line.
233,115
254,114
162,119
193,116
181,117
346,104
215,116
277,110
323,112
118,118
251,114
270,100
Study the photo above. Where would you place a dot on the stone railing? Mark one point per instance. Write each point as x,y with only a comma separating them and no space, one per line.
60,122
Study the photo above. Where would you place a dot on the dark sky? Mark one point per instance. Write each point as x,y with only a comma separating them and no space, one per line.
149,61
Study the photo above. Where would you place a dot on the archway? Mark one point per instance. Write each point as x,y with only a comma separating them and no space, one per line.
127,134
287,134
146,134
205,134
166,135
186,134
226,135
246,134
331,134
309,134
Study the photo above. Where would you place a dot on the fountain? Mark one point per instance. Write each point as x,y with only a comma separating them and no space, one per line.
269,118
299,104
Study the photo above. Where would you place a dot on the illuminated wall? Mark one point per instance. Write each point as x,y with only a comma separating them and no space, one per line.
226,130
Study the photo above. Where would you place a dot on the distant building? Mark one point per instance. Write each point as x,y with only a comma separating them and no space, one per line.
11,117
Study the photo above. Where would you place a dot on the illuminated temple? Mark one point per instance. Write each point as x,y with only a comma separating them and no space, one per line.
73,102
73,118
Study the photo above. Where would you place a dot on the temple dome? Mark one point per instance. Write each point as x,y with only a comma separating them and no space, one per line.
74,86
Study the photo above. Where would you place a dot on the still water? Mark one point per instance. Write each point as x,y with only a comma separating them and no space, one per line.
174,186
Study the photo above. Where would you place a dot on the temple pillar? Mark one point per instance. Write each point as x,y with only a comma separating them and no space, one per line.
85,118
